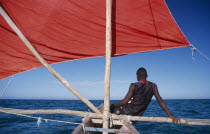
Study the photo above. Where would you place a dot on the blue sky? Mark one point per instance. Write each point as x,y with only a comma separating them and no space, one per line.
177,75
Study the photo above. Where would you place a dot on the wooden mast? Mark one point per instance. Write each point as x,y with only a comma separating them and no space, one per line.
108,65
41,59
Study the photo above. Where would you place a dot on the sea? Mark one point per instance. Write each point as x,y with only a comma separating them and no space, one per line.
15,124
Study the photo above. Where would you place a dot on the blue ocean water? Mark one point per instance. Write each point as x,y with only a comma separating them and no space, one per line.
13,124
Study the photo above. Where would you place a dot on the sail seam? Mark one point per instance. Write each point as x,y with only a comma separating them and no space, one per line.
154,24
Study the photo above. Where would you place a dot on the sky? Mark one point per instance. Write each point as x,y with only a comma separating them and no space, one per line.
176,73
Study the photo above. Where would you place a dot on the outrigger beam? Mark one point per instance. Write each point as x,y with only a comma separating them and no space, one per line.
108,65
44,63
123,118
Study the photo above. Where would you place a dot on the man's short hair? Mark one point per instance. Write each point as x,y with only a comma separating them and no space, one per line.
141,72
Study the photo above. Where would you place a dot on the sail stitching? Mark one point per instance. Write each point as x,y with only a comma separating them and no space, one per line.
150,6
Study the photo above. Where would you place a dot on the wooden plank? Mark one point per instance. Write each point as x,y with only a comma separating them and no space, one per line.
115,122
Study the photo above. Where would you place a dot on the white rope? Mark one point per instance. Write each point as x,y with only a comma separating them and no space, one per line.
38,118
83,127
39,121
7,85
86,116
128,118
111,120
107,119
195,49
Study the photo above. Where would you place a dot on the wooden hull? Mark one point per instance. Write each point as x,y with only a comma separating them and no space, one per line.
97,123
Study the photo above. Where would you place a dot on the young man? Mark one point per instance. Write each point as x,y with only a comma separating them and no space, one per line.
139,97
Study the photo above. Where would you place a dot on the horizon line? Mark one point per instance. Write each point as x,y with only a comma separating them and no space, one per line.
102,99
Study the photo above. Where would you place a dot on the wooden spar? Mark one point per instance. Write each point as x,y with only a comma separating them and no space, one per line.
51,111
41,59
108,65
100,116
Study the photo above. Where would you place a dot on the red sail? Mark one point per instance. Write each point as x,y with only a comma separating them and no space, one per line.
64,30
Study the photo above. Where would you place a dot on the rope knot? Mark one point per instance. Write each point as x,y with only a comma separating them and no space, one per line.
193,51
39,121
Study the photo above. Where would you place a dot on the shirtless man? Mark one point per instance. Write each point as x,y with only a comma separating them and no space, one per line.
139,97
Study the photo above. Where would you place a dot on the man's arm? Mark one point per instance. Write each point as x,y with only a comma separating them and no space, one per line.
127,97
164,106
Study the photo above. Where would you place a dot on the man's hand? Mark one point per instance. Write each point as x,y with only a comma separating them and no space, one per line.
174,119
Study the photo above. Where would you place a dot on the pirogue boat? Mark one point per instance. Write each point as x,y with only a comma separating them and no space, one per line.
59,31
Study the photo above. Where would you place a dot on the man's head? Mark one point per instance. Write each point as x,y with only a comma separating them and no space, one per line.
141,74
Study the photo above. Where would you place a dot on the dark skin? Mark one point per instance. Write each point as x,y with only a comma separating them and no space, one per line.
161,102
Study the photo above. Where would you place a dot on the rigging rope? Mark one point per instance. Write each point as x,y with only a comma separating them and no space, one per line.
109,118
7,85
38,118
195,49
